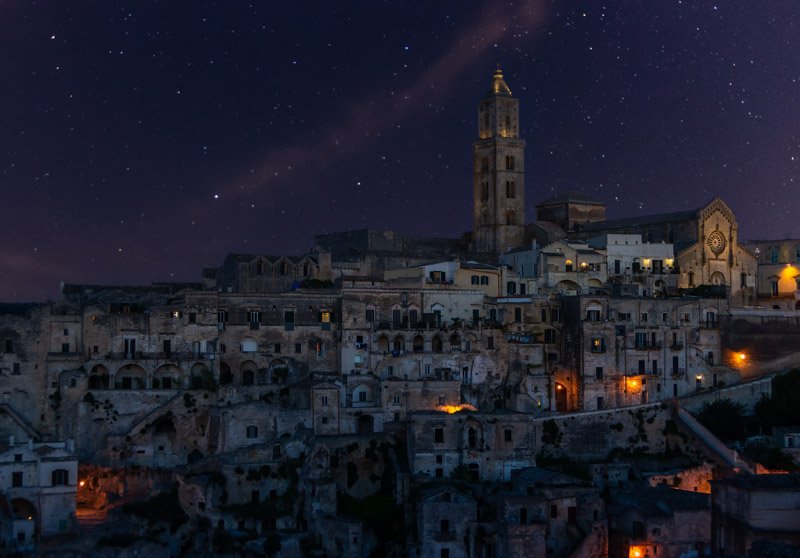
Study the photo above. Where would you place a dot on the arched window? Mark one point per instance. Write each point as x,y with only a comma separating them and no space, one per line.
485,160
484,280
472,438
305,269
485,191
509,162
455,343
773,255
436,344
510,217
475,280
510,189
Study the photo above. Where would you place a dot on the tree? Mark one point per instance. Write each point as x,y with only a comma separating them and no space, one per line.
725,419
781,408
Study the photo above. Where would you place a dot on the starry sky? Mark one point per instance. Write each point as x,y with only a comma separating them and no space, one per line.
140,141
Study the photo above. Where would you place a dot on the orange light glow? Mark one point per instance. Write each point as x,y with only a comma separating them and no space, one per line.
633,383
82,483
742,357
635,552
450,409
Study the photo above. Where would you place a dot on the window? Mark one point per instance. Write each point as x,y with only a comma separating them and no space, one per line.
553,511
600,403
324,400
510,189
15,369
544,315
9,348
192,318
254,317
774,288
598,373
252,432
624,316
325,319
549,336
66,332
644,317
472,438
396,400
509,162
641,366
288,320
511,288
773,255
555,315
298,348
64,347
475,280
222,316
445,525
593,315
60,477
484,280
259,268
16,479
490,342
510,217
17,458
508,435
598,345
438,435
370,315
517,314
277,348
664,317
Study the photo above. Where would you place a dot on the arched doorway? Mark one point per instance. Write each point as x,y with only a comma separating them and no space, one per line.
25,524
98,377
399,344
436,344
365,424
561,397
248,370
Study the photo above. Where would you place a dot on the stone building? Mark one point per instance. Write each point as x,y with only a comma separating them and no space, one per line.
498,183
707,248
658,522
38,489
627,351
445,523
550,513
570,211
746,508
778,269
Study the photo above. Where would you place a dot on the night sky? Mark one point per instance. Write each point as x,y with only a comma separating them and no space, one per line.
142,140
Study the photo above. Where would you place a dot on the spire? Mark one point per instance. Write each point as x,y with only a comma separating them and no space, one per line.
499,86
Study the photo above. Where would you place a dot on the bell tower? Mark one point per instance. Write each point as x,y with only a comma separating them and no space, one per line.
498,183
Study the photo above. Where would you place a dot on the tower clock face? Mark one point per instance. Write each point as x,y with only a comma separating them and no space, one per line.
716,241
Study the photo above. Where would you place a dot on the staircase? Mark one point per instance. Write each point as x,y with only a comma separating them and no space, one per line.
714,445
89,519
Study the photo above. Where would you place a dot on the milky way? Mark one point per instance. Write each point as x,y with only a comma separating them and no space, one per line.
141,141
